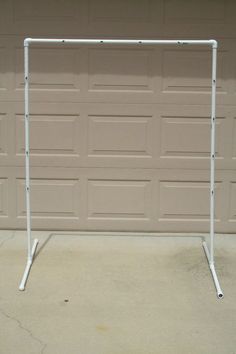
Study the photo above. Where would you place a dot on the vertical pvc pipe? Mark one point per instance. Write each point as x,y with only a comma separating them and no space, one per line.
212,177
27,162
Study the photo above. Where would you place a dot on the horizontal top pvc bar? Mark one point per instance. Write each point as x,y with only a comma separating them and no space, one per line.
211,42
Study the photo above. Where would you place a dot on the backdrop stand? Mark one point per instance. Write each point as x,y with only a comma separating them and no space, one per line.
209,251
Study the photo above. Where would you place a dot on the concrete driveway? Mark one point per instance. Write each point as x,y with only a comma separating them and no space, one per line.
116,294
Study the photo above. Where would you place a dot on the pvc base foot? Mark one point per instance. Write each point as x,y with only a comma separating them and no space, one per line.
219,291
28,266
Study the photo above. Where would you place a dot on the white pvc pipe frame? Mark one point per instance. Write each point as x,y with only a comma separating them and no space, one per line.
131,42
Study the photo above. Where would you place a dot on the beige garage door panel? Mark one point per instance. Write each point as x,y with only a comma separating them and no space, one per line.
4,207
151,75
44,17
53,198
56,138
118,199
141,17
115,135
163,17
3,134
119,135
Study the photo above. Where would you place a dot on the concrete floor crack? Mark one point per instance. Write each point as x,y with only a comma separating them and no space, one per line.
27,330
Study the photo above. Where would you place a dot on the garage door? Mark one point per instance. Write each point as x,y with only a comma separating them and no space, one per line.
119,135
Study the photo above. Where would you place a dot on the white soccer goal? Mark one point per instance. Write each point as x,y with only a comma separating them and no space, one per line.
209,249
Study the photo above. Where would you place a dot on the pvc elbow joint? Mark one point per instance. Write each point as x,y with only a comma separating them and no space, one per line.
26,42
214,43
